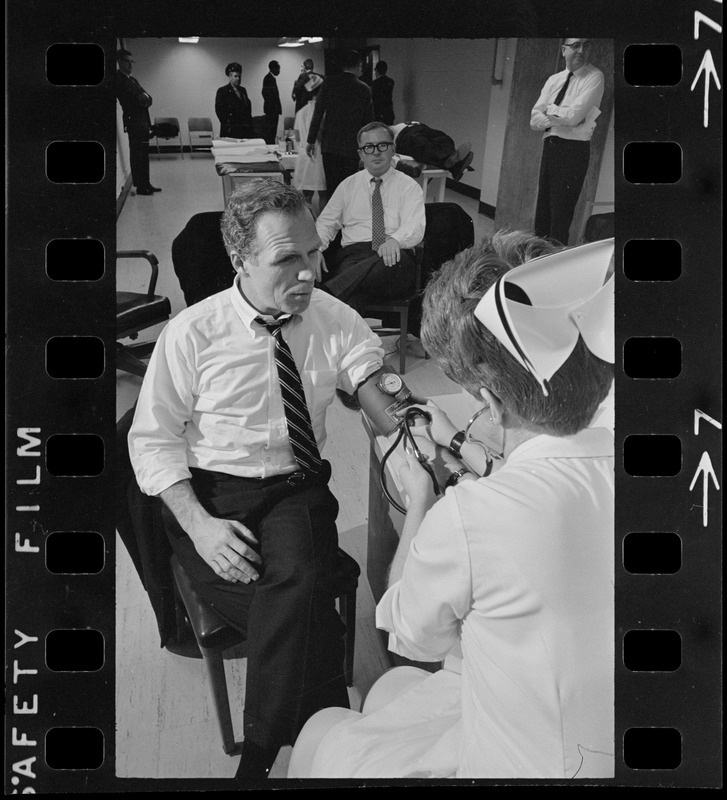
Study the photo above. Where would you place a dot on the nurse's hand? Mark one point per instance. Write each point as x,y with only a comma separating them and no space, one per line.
440,429
310,150
417,483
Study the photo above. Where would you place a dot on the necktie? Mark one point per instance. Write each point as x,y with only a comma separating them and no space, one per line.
378,232
561,93
300,430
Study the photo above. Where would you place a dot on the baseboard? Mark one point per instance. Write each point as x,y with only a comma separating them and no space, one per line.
123,194
463,188
487,210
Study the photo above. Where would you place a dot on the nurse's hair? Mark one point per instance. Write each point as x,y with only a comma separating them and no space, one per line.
473,357
233,67
247,203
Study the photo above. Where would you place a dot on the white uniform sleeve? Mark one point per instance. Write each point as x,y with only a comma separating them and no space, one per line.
423,611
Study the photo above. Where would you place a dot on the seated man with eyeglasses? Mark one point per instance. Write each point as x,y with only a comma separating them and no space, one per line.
380,212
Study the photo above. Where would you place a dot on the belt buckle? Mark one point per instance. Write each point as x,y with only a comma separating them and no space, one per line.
296,479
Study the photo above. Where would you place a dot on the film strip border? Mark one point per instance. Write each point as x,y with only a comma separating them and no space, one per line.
61,434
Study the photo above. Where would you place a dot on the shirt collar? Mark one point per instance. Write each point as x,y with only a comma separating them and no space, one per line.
588,443
581,71
384,177
247,313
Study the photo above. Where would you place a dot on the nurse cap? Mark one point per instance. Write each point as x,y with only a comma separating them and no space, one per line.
566,295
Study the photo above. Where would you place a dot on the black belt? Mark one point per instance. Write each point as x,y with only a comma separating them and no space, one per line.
560,139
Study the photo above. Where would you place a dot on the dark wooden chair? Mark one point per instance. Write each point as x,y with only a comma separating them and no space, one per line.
214,636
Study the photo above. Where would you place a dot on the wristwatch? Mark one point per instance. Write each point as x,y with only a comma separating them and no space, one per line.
455,446
454,478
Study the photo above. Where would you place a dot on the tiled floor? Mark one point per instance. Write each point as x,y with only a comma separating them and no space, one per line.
165,719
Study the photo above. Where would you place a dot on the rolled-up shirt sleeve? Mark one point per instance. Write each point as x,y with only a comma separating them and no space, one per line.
423,611
157,445
364,353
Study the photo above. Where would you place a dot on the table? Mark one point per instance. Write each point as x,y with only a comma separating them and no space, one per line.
439,176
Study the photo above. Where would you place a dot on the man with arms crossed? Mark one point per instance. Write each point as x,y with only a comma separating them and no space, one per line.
231,444
566,112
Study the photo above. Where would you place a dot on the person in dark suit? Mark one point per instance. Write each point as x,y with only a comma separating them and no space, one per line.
271,102
343,107
381,93
233,107
300,94
135,102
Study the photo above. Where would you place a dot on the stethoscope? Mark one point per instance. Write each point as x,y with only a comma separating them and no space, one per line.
405,431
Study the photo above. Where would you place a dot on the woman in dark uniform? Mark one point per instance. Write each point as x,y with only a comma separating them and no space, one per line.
233,107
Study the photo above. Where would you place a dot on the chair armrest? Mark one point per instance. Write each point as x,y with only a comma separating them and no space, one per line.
153,263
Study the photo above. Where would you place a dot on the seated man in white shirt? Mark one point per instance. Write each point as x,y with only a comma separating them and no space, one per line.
247,507
376,259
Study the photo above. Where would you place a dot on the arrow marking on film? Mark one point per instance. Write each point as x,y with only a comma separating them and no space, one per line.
701,415
705,467
706,67
699,17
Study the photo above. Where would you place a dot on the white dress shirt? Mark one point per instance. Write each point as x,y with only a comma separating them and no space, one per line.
211,395
578,109
517,570
350,209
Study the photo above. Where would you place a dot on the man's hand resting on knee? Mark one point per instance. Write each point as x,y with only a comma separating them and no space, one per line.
224,544
390,252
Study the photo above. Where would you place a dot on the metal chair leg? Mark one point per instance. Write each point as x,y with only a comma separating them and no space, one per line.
216,672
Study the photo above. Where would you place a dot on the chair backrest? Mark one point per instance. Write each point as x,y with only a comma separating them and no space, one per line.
199,124
166,127
200,260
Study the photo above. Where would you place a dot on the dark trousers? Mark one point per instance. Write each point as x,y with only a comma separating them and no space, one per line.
359,277
294,634
271,128
426,145
139,157
338,168
563,169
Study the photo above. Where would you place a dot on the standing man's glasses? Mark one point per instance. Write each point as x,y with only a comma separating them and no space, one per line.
577,45
382,147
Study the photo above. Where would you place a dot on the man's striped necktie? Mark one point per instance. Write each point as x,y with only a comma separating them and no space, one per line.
378,231
300,430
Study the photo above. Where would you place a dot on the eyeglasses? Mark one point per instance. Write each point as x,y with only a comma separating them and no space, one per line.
577,45
382,147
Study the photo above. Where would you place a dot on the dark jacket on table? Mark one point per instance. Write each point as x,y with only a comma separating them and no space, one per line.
134,102
271,97
343,107
234,113
381,93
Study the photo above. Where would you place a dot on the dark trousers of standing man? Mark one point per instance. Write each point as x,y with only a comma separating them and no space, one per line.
293,632
271,128
338,168
563,169
139,156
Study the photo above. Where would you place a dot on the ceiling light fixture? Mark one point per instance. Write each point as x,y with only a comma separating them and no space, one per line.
189,39
311,39
290,41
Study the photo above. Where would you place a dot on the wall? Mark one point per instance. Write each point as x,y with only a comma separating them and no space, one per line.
183,78
444,83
